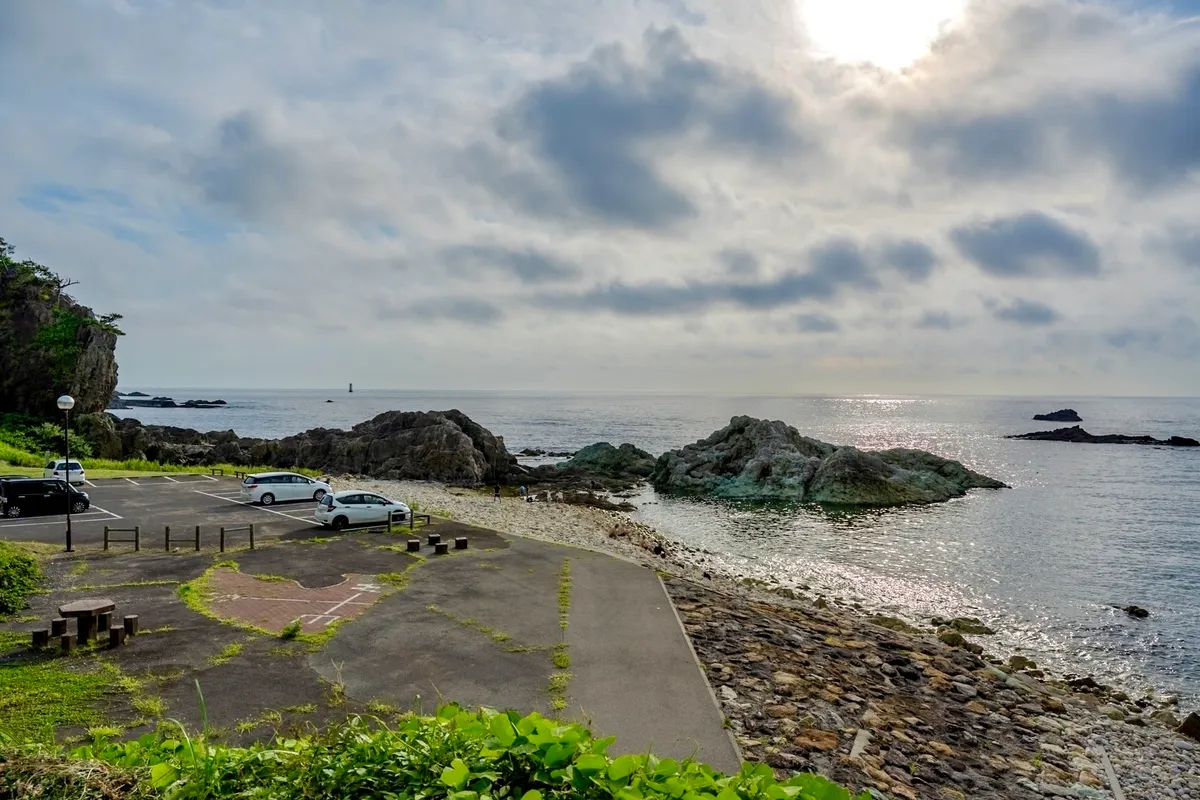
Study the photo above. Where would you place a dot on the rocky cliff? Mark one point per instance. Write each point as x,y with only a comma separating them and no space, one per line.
49,344
762,460
444,446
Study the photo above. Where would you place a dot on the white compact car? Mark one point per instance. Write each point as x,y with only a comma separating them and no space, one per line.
355,507
61,469
277,487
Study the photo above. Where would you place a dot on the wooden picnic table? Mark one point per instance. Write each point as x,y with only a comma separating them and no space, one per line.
86,612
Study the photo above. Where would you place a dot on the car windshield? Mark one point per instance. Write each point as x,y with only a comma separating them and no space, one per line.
327,500
75,466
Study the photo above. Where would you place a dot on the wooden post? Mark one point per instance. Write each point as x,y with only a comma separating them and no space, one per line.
197,538
67,642
441,548
251,535
460,543
41,638
137,538
105,537
116,637
414,545
130,621
58,626
167,536
103,622
222,538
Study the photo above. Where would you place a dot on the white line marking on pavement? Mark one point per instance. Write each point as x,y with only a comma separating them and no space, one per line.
75,518
89,483
248,505
172,480
131,480
210,477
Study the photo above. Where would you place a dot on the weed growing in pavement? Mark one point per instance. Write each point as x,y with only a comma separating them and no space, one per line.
290,631
306,708
230,652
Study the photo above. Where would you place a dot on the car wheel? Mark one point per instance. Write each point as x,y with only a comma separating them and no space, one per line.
339,523
79,507
267,499
318,494
12,511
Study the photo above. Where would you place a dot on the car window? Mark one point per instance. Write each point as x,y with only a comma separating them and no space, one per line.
52,465
376,500
299,479
52,486
75,466
351,500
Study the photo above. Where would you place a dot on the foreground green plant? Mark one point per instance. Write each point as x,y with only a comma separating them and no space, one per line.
20,576
456,755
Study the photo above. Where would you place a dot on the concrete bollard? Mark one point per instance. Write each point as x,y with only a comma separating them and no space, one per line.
58,626
103,622
67,642
435,538
414,545
441,548
116,637
41,638
460,543
130,621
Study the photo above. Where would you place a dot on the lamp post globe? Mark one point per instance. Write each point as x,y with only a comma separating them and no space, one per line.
65,404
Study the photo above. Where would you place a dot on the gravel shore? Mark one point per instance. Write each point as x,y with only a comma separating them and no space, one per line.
900,713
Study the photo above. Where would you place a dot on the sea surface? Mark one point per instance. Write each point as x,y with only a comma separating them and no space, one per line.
1084,529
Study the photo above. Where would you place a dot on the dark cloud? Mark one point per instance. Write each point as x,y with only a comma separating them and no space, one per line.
1027,312
1184,244
833,266
527,265
973,147
1123,338
816,323
595,130
468,310
739,262
936,321
912,258
246,172
1028,244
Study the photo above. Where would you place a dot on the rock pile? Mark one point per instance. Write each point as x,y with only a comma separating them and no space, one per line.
1062,415
762,460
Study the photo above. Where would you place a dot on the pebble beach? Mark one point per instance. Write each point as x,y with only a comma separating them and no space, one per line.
808,684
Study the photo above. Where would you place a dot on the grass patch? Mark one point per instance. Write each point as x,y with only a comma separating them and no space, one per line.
560,657
78,569
150,705
290,631
159,629
268,717
306,708
230,652
20,576
88,587
382,709
499,637
272,578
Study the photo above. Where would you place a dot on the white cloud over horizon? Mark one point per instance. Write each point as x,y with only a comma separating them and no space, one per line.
613,194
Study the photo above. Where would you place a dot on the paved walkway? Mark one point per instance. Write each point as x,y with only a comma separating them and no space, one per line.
479,629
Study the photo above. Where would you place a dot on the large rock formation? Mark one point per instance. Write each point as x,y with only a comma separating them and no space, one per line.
442,446
49,344
625,462
1078,435
761,460
1062,415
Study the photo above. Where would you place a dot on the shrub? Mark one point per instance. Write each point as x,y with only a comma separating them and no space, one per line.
19,577
456,755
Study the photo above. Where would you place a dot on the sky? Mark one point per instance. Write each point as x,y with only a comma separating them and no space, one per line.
767,196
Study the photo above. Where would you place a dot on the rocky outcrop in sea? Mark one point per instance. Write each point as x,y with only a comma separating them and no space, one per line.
1078,435
1062,415
757,459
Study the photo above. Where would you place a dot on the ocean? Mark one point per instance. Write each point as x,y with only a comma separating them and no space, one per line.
1084,530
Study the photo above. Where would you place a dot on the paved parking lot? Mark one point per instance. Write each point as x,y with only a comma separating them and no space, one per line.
182,502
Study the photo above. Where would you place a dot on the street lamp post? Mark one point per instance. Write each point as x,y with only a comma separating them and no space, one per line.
66,403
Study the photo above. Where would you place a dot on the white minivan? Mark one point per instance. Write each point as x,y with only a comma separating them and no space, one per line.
71,471
276,487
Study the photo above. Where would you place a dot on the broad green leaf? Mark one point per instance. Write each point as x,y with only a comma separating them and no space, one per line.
532,794
163,775
622,768
593,762
456,774
503,730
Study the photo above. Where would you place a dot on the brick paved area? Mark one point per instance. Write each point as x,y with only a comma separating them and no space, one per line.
275,604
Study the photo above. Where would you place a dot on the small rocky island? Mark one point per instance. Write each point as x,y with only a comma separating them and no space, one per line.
1078,435
121,401
1062,415
756,459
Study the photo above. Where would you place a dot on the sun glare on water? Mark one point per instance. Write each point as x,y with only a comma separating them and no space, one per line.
888,33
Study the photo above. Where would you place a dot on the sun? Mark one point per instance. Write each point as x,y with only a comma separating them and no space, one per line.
888,33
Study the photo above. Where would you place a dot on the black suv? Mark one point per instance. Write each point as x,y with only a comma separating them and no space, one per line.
23,497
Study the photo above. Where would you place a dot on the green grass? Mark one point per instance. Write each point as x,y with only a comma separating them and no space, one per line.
126,584
306,708
381,708
20,576
291,630
230,652
16,461
272,578
559,656
150,705
43,692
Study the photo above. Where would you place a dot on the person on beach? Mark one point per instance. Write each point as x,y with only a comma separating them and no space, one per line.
496,495
521,491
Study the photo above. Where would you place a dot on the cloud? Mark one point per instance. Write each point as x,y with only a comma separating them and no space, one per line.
1025,245
528,265
468,310
1184,244
739,262
914,259
936,321
1027,313
816,323
596,131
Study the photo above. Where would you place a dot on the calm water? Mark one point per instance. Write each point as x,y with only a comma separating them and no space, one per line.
1085,527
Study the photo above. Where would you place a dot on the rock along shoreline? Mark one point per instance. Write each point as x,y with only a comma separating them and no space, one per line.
805,684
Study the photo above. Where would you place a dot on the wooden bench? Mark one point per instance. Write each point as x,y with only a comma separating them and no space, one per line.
412,520
216,471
